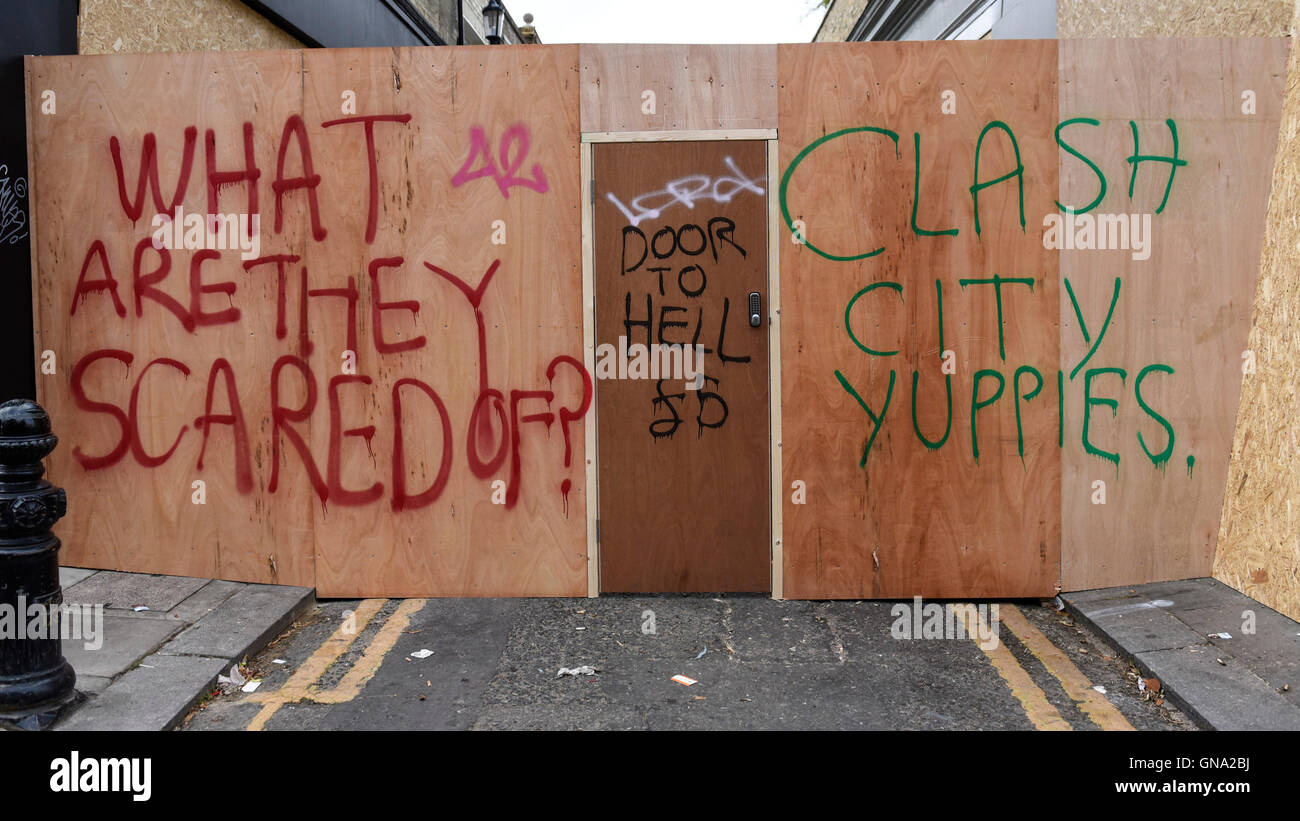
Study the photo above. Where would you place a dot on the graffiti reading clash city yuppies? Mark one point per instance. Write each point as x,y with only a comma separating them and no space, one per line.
1073,227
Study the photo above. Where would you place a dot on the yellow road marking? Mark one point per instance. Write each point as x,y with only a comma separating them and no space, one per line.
365,668
1093,704
1037,708
297,687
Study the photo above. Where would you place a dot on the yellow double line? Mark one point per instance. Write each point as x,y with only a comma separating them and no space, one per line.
1040,711
302,684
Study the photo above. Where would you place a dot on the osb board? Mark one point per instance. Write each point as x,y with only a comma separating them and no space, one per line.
444,190
677,87
1259,549
1173,18
917,520
1185,306
139,26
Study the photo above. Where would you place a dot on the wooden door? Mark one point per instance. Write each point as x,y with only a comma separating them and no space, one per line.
680,244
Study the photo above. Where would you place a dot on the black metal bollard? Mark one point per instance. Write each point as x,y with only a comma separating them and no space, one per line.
34,675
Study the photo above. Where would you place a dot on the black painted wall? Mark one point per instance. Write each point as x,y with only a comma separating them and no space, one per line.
29,27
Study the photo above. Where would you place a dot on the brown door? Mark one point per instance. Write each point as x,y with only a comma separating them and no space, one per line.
680,244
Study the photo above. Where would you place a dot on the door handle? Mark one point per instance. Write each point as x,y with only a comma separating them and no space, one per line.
755,309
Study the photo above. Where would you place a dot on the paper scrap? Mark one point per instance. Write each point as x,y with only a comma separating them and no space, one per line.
252,685
585,670
685,681
422,654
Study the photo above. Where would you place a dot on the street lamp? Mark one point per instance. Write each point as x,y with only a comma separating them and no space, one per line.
492,14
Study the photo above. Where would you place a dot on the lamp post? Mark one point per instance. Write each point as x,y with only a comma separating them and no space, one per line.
493,14
35,678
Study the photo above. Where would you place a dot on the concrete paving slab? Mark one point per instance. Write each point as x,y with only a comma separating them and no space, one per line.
124,642
1102,597
204,600
1134,623
154,696
1185,594
1271,651
124,591
1222,683
243,623
69,576
93,685
1221,696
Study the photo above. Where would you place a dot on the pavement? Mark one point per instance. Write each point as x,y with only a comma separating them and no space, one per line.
1170,656
163,642
1228,661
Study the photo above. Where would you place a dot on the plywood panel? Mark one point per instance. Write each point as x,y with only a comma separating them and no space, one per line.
969,515
1180,320
694,87
130,481
465,181
531,539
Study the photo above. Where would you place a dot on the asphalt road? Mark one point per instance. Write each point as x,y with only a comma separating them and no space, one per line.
493,664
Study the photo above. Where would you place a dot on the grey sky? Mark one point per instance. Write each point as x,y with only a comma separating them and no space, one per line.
671,21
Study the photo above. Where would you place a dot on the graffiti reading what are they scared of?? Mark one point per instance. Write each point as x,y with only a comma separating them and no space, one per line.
500,417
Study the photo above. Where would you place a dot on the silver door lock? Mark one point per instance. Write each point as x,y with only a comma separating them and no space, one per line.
755,309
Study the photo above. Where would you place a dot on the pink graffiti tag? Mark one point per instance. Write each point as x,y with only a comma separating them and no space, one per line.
503,170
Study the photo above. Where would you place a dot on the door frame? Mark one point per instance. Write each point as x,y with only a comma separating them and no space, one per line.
768,135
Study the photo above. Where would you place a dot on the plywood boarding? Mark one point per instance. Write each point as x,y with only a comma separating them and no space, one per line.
694,87
466,543
122,513
917,520
1181,316
1258,551
444,190
1173,18
112,27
